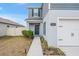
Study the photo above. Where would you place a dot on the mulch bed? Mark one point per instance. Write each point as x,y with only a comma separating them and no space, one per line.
50,51
53,51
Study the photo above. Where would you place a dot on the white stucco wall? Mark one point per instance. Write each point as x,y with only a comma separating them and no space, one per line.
41,29
50,30
11,30
27,25
2,29
52,17
15,31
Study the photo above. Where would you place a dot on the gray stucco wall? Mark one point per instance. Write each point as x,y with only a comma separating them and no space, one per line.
64,6
50,30
52,17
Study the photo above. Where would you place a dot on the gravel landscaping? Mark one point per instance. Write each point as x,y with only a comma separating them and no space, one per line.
50,51
14,46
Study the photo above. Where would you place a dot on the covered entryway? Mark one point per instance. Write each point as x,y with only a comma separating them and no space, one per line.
35,27
68,32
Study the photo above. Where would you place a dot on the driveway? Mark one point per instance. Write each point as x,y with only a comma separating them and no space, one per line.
71,51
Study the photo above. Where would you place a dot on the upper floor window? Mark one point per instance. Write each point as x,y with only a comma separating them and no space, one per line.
35,12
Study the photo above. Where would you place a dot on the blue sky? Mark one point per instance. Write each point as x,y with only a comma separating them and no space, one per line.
17,12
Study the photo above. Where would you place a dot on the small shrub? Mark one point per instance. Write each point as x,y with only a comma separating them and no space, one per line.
44,43
28,33
24,32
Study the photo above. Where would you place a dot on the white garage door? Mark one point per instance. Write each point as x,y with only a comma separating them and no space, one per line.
68,32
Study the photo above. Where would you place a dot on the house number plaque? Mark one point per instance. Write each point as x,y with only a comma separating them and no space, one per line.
53,24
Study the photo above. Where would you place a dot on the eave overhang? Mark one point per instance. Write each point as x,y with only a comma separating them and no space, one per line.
34,21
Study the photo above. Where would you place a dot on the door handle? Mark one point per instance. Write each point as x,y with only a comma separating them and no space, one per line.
60,39
72,34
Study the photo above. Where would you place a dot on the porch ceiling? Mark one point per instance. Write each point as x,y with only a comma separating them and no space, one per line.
34,21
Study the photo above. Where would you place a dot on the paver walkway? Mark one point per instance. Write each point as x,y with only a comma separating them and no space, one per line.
35,49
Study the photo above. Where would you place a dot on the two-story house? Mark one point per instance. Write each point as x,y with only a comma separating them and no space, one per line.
34,20
58,23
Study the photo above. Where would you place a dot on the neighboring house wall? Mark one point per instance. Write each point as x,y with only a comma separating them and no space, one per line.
10,30
27,25
3,29
15,31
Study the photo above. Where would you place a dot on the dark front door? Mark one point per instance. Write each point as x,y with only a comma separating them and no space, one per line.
36,29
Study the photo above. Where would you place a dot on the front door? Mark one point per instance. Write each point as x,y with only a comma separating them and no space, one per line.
37,29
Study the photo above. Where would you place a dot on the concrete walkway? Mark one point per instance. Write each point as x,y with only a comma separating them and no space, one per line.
35,49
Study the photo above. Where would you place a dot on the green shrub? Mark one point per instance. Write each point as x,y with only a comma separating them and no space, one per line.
44,43
24,32
28,33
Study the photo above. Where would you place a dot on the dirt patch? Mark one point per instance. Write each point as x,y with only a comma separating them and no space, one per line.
14,46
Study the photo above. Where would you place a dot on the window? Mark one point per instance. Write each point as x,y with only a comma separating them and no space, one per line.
44,28
35,12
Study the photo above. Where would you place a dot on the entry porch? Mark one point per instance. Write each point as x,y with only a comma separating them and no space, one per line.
36,26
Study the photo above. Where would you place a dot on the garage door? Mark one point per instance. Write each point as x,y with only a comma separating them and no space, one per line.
68,32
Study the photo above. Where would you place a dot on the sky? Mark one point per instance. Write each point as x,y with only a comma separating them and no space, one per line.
17,12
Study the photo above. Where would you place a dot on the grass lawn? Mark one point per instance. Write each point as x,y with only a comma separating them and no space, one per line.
14,46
